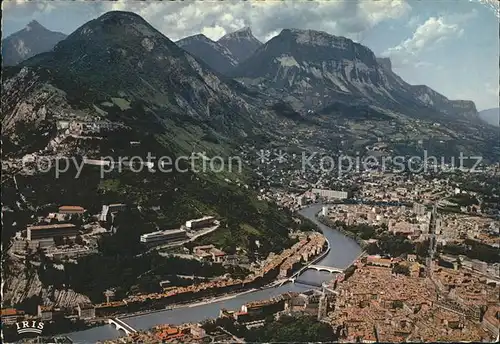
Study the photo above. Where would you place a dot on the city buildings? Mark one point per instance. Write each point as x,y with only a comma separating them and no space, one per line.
86,311
378,261
331,194
374,304
210,253
45,313
20,244
51,231
11,316
163,237
199,223
70,209
108,212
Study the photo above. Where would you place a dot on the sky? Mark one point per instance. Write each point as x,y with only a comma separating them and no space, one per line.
449,45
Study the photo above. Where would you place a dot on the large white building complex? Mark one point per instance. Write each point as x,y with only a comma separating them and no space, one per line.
331,194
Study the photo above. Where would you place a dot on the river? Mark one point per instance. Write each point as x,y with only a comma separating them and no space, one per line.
343,251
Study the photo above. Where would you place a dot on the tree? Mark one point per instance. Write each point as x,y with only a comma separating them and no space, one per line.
291,329
397,304
68,241
401,269
79,240
58,241
30,304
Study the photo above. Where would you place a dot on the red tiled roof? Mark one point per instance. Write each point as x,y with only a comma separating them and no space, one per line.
9,311
53,226
71,208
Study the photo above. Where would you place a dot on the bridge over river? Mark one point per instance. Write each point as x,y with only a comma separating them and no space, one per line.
342,252
121,325
325,268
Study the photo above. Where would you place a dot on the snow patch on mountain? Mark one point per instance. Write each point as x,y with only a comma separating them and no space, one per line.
287,61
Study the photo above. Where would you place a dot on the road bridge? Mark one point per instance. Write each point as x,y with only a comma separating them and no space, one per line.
325,268
121,325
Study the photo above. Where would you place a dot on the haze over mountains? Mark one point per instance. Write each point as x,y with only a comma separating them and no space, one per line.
30,41
491,116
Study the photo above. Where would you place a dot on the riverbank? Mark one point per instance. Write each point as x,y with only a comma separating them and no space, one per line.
191,304
228,296
225,296
343,251
268,274
327,222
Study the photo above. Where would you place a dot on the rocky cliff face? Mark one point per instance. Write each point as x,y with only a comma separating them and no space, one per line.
242,43
32,40
452,107
385,62
316,68
319,69
215,55
21,284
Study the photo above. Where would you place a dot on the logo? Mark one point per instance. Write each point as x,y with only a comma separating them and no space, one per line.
29,327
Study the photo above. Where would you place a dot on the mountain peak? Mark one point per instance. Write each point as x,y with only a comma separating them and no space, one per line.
241,43
121,19
198,37
32,40
244,30
212,53
121,15
118,26
34,25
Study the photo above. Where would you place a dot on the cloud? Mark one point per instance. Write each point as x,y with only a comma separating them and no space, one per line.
379,11
423,64
413,22
178,19
215,32
428,35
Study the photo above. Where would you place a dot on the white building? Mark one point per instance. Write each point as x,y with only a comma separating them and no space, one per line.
197,223
163,237
111,210
331,194
301,201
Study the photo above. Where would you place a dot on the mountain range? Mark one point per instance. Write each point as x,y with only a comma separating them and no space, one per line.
142,68
235,88
223,55
30,41
318,69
